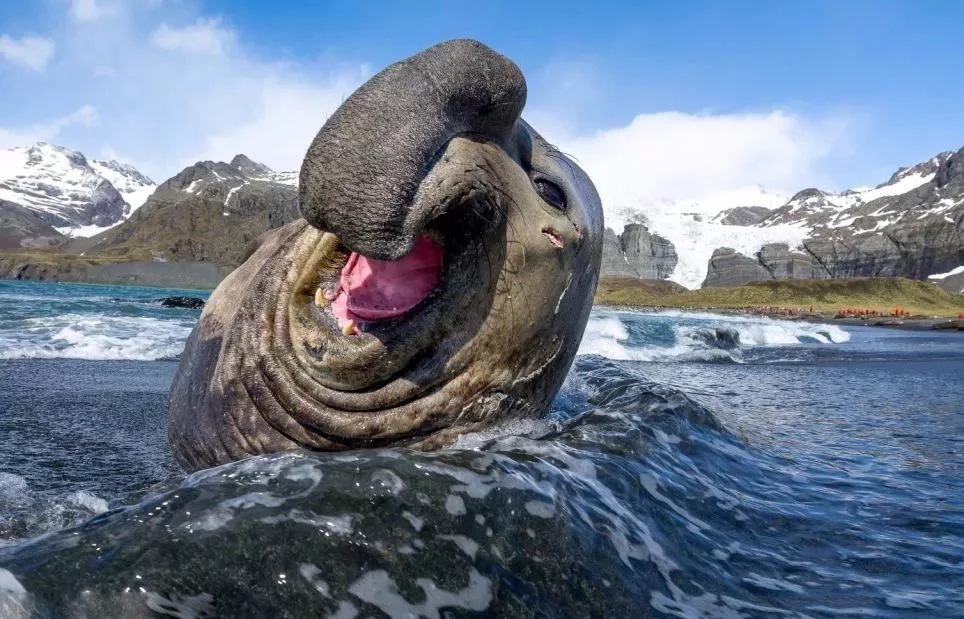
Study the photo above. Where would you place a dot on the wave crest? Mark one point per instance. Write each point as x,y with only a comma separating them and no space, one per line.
682,337
94,337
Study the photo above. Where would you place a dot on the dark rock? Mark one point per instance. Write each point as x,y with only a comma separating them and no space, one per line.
278,202
649,255
191,177
785,264
182,302
744,215
614,262
246,165
637,253
914,248
21,227
107,206
951,171
949,325
807,194
729,268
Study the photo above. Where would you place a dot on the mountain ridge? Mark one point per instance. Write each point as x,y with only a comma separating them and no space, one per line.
911,225
49,192
208,212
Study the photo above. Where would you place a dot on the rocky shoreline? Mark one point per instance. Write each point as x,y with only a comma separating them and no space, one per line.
910,323
59,268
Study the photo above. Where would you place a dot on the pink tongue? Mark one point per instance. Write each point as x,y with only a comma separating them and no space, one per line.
378,289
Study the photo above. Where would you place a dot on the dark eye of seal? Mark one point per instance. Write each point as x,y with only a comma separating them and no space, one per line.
550,192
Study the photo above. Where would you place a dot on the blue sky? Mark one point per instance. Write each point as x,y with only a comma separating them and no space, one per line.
704,97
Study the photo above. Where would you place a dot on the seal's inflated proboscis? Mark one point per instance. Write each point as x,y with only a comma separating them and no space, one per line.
439,283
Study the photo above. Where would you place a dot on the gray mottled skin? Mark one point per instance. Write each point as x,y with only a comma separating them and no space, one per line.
431,145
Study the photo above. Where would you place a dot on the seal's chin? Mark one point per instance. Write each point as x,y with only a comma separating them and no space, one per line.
370,290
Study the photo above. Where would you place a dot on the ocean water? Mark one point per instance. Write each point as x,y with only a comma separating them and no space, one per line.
693,465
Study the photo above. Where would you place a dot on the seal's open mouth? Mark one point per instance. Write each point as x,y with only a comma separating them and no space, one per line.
370,289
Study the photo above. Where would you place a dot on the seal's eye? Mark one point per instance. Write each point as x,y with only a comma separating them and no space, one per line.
550,192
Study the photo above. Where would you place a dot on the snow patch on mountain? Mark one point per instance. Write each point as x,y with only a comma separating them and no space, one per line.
707,208
77,196
696,240
134,186
696,229
284,178
956,271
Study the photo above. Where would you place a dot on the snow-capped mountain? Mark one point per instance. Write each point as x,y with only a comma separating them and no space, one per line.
235,184
220,180
209,212
912,225
874,207
134,186
67,192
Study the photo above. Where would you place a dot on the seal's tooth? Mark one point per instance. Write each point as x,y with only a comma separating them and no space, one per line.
319,298
349,328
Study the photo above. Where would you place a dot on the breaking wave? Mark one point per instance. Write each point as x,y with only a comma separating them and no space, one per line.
85,336
24,513
91,322
680,337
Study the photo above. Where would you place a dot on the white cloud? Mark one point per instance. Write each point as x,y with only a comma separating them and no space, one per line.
161,109
286,115
205,36
89,10
164,110
29,51
47,131
701,162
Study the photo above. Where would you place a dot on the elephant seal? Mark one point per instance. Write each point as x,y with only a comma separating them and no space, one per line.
439,281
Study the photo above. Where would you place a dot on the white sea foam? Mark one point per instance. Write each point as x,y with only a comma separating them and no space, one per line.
605,337
13,488
608,337
14,599
96,337
701,337
518,427
88,501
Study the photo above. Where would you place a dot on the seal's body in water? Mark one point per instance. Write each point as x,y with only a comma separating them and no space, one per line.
439,283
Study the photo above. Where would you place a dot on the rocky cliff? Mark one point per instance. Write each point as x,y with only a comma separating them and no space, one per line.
637,253
727,267
912,226
743,216
909,226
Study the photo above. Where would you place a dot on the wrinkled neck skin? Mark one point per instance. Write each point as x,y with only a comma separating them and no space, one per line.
270,368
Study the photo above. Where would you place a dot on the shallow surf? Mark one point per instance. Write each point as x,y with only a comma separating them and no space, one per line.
692,465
